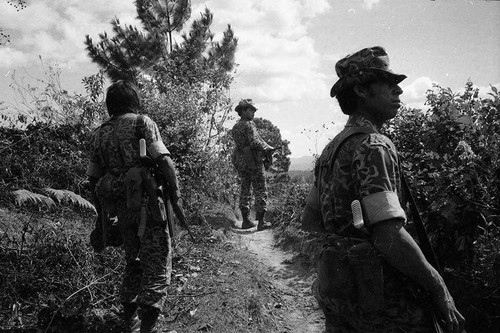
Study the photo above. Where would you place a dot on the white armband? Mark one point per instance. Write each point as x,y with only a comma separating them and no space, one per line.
382,206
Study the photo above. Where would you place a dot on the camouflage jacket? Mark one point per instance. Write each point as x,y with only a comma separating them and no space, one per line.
114,146
247,155
366,169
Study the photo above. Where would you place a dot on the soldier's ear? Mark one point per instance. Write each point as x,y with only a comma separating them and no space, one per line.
360,90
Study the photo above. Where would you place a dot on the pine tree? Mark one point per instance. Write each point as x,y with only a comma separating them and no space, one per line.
152,50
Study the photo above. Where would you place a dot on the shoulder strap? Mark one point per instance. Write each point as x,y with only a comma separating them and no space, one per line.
328,159
139,123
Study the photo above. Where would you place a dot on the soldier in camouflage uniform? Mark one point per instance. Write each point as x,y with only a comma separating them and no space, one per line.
247,158
368,278
115,151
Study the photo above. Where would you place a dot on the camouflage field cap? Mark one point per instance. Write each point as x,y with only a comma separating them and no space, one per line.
245,103
362,66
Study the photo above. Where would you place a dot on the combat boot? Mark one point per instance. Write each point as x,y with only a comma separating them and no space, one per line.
149,317
131,323
247,224
262,223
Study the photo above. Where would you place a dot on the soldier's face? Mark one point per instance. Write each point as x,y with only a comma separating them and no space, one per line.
382,101
248,113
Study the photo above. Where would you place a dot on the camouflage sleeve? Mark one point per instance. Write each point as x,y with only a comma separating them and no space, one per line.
254,138
94,168
154,142
376,170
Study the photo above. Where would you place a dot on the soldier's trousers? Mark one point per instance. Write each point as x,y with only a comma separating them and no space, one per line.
148,265
257,182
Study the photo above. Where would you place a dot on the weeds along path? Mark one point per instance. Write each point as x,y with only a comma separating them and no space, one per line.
301,312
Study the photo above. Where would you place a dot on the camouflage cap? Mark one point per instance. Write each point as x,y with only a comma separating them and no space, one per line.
245,103
362,66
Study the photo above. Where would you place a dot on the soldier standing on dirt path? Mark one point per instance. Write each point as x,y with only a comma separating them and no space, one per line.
369,277
118,191
247,158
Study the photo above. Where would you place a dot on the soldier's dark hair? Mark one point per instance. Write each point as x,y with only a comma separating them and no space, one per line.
122,97
347,99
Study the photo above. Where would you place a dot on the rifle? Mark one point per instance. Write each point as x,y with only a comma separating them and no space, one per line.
267,158
424,242
162,192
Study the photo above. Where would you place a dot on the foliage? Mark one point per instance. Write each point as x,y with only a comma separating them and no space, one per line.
450,154
43,156
50,272
23,196
44,100
132,52
18,5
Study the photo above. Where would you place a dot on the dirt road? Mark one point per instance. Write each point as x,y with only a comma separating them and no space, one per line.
302,313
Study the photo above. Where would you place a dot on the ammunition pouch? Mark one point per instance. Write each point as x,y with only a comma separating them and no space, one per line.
140,182
106,233
134,185
346,271
110,189
366,264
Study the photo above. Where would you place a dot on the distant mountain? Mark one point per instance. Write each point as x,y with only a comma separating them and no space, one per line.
305,163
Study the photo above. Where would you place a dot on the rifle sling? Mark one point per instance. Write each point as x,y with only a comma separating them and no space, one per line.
423,238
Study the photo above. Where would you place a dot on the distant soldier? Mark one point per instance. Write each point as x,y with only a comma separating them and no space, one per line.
248,161
117,178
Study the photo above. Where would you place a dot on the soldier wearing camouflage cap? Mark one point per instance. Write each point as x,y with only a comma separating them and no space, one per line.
368,276
247,158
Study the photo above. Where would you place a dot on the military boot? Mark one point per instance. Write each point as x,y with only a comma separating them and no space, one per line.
131,321
263,224
149,317
247,224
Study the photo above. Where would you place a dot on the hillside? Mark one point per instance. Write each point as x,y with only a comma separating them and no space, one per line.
304,163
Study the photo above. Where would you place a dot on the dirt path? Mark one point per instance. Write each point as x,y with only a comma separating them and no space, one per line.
302,313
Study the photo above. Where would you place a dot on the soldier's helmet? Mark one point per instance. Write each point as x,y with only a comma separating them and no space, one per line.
122,97
244,104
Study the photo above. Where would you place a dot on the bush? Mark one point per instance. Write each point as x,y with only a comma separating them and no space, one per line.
50,271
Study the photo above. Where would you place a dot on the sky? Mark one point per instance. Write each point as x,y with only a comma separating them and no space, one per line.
287,50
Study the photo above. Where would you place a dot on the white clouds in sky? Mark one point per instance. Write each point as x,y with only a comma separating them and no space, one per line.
56,29
277,60
368,4
415,91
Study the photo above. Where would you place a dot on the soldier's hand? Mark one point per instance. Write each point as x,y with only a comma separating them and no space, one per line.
454,322
175,195
270,151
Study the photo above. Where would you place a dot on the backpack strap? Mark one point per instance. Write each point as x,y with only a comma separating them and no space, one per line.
312,219
329,156
139,123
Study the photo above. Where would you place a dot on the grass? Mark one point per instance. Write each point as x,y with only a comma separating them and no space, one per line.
51,279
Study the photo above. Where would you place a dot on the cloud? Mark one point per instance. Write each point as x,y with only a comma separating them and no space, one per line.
56,30
416,91
277,61
368,4
12,57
